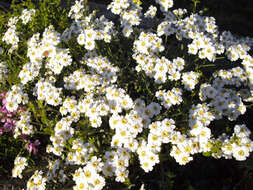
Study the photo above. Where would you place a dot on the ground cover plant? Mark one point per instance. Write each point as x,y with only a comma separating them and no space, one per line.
87,103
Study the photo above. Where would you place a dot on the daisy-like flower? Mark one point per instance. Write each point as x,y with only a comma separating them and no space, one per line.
151,12
240,153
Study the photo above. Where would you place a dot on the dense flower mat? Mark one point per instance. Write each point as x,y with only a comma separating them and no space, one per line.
107,96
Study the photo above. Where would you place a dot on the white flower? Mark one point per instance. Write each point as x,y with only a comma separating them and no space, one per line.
240,153
81,39
165,4
37,181
241,131
121,175
26,15
19,165
89,44
151,12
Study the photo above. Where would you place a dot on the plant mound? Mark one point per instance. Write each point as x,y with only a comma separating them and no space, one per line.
100,99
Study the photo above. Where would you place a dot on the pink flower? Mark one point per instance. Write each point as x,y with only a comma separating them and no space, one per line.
4,101
2,94
31,147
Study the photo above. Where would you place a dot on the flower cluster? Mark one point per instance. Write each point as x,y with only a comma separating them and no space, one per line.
70,106
87,28
198,139
11,35
169,98
102,74
55,172
159,132
88,103
56,58
206,41
151,12
19,165
199,118
46,91
175,67
80,154
238,50
81,80
7,118
116,164
239,145
15,97
27,15
128,127
37,181
226,102
190,79
179,12
146,48
148,43
23,126
63,131
87,38
77,10
102,66
161,69
88,177
165,4
202,31
130,14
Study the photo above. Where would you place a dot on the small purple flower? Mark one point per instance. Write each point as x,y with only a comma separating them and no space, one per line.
24,137
31,147
8,125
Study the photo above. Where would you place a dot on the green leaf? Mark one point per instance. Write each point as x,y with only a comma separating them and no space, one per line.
206,154
48,131
31,107
171,175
